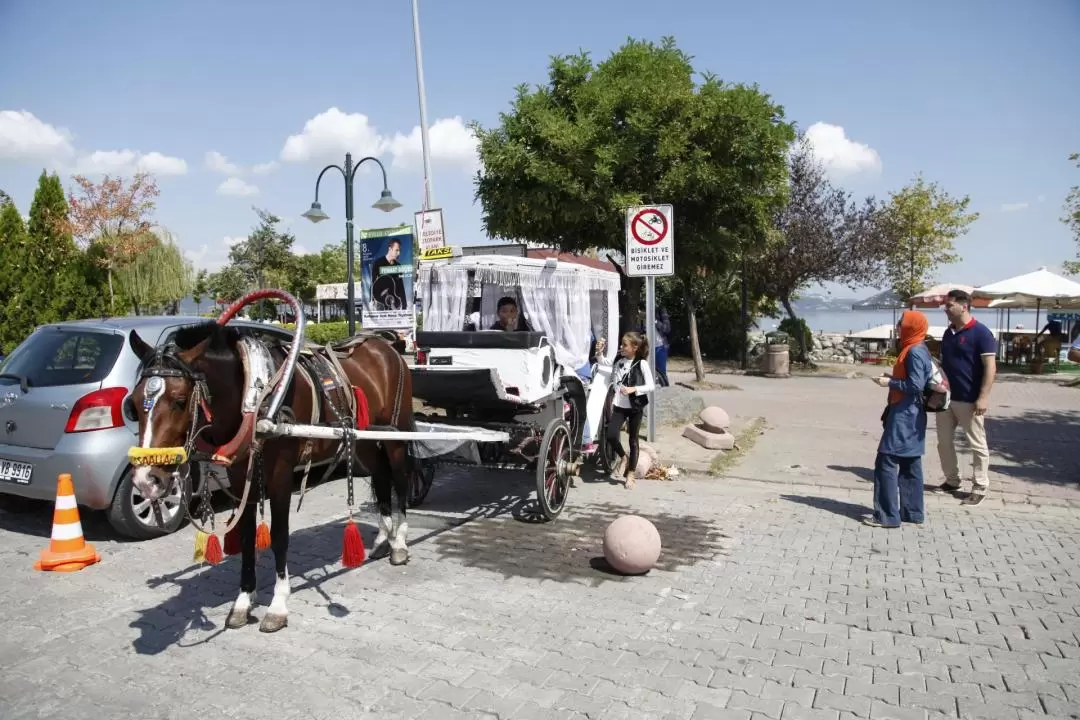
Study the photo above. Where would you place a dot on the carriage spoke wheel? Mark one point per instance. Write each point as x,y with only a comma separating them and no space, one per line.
605,455
420,479
553,469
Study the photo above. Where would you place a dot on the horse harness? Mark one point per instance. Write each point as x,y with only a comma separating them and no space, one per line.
263,370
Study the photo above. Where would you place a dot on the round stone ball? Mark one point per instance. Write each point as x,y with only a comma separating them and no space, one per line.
715,419
631,545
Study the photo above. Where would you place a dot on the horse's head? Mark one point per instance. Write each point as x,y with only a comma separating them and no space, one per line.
172,403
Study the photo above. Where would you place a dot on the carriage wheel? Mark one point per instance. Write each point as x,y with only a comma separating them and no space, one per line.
420,479
553,469
605,456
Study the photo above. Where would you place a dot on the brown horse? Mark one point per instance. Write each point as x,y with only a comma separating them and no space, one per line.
190,394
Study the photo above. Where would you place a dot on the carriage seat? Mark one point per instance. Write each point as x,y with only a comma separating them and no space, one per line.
524,362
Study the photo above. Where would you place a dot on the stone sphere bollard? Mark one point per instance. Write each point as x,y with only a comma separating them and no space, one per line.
631,545
644,464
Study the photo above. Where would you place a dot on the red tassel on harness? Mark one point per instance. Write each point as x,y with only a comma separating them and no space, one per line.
213,550
262,536
353,554
363,417
232,541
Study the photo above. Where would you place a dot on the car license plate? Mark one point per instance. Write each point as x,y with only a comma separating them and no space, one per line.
441,360
16,472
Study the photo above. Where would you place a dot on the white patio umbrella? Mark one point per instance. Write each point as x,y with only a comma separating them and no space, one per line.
1033,288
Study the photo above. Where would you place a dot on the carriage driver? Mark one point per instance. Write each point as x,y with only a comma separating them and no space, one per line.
509,317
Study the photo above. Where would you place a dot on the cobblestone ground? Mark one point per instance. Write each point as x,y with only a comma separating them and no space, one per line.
770,601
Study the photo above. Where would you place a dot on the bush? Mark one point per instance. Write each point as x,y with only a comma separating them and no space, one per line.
793,328
324,333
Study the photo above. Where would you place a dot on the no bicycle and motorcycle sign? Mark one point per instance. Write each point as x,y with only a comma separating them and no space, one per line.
650,241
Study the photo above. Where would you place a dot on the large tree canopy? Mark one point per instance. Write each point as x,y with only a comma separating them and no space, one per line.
571,156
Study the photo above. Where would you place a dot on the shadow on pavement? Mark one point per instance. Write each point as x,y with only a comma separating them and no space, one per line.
839,507
1039,443
866,474
563,550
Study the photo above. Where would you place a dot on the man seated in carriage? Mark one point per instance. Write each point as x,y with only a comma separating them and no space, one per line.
509,317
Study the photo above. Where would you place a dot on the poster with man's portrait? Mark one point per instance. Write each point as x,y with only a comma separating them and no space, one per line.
386,263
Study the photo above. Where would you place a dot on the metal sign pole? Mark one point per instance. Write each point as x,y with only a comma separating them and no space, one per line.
650,333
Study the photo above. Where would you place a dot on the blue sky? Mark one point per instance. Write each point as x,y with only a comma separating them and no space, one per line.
981,96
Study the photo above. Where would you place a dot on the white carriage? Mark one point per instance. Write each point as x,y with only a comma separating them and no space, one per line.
536,384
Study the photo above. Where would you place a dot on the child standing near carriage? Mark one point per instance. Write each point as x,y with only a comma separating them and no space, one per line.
632,379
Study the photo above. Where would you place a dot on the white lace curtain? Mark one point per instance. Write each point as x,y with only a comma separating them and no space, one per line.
444,305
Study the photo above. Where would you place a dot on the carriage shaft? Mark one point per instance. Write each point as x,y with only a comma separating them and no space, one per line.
321,432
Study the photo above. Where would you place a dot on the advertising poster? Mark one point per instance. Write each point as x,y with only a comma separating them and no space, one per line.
386,266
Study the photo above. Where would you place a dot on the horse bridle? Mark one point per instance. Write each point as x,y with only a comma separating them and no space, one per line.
166,363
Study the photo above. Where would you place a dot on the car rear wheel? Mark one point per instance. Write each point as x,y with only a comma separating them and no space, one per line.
132,515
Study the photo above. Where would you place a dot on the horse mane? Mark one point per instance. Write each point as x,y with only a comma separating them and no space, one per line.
223,339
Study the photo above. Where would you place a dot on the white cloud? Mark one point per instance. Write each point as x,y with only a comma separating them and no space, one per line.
235,187
24,137
264,168
216,162
299,250
451,141
127,162
329,135
841,156
1014,207
234,240
196,256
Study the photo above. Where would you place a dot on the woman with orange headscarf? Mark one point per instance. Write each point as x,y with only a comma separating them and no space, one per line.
898,476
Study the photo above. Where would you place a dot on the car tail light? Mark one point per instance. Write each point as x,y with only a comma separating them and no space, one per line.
100,410
421,357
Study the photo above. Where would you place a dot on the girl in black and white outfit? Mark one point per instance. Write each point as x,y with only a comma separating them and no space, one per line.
632,379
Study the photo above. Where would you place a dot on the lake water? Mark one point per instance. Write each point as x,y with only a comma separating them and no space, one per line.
844,321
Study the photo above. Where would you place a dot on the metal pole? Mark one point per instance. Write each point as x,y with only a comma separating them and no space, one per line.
744,359
423,109
650,333
350,291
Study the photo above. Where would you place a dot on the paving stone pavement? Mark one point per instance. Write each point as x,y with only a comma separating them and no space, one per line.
769,601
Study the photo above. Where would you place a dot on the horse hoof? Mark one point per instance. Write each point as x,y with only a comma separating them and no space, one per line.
273,623
238,620
381,550
399,557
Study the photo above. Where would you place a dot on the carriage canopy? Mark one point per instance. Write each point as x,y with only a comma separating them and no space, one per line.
570,303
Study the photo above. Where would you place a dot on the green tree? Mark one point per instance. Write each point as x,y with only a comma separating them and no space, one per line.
200,289
821,235
158,278
12,248
266,251
572,155
1071,218
923,221
5,199
227,285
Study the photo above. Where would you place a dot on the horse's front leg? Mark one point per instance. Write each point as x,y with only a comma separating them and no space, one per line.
400,467
240,615
279,493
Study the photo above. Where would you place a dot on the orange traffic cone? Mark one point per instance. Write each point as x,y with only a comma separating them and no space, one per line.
67,551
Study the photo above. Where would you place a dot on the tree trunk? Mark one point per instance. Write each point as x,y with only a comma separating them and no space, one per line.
804,356
112,297
695,345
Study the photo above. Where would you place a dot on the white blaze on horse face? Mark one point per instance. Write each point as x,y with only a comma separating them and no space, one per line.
386,528
401,532
278,606
153,390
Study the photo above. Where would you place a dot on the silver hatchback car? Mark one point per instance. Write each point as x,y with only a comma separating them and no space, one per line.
62,393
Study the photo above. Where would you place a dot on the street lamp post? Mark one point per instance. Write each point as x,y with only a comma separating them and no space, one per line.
386,203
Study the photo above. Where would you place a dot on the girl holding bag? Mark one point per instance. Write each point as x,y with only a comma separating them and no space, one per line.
632,379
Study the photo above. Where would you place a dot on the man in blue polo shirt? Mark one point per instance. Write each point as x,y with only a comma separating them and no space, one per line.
969,359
